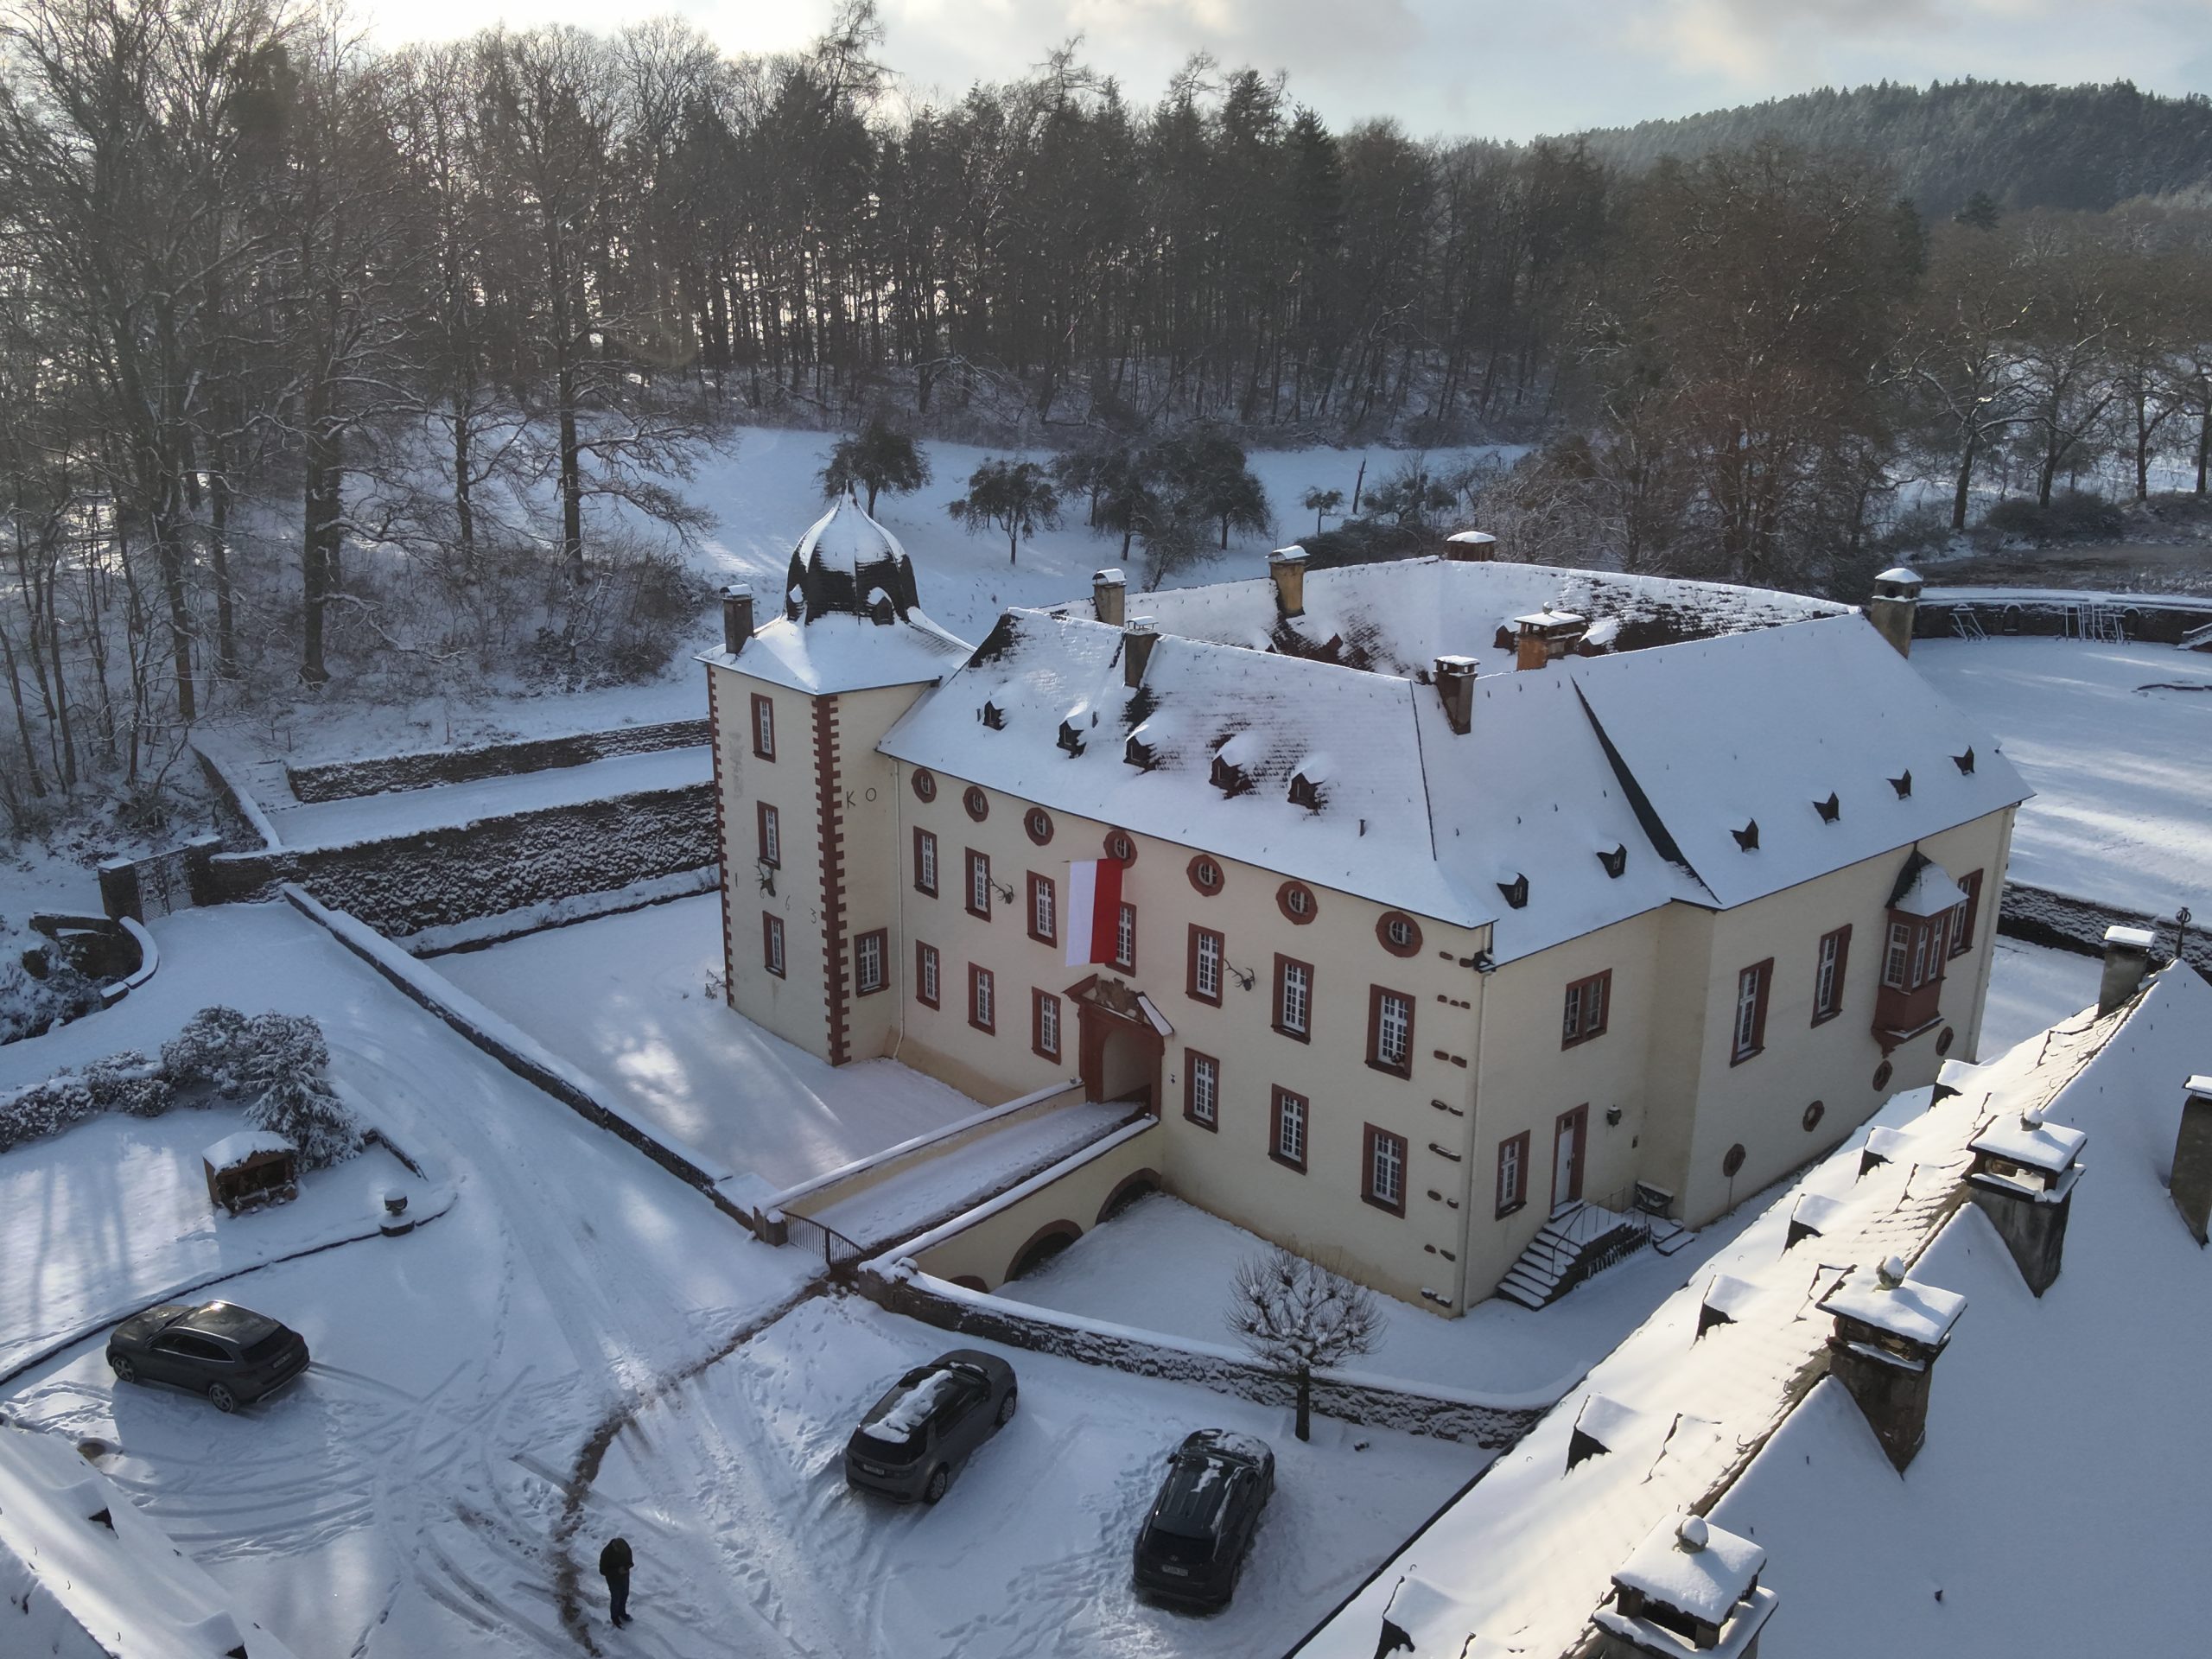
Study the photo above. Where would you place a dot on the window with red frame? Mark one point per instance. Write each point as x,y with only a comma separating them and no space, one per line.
763,727
926,968
1286,1129
1589,1004
1383,1185
771,945
924,862
1390,1031
1045,1024
982,999
1044,909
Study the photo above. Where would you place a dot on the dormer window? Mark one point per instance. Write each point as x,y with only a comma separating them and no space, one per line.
1140,754
1228,777
1902,785
1965,762
1071,740
1516,891
1747,838
993,716
1616,862
1831,809
1304,793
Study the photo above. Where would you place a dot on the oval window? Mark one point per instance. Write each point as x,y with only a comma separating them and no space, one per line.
1814,1114
1296,900
1399,933
1732,1160
1883,1073
924,784
1943,1043
977,803
1205,875
1039,823
1121,846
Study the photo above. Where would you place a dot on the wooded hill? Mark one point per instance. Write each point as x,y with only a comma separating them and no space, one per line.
2082,149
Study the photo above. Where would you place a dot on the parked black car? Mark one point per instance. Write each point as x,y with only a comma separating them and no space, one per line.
1195,1538
229,1353
914,1439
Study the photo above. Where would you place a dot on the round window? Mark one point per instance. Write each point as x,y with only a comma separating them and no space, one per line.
1943,1043
1814,1114
924,784
977,803
1039,823
1205,875
1883,1073
1296,900
1732,1160
1399,933
1121,846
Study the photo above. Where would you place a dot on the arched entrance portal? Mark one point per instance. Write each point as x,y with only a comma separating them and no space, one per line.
1121,1048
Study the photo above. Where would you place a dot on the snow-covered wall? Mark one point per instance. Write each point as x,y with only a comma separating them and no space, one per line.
338,780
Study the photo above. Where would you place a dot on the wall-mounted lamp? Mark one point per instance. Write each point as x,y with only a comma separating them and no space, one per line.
1612,1117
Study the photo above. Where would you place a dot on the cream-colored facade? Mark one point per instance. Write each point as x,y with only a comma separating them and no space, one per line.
1660,1097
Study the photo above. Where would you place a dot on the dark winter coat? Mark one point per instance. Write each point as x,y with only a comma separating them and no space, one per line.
614,1560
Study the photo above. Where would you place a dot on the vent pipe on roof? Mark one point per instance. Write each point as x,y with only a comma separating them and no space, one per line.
1137,641
1455,687
1895,606
1287,566
2127,959
737,618
2191,1185
1109,597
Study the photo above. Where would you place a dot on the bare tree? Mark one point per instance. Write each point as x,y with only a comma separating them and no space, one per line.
1299,1318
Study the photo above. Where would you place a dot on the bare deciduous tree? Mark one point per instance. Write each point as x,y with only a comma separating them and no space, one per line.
1298,1317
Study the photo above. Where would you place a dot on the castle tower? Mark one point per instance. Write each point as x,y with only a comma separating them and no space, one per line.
807,809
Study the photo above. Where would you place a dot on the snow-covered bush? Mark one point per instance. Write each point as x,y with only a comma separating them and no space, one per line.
286,1069
127,1082
30,1007
208,1050
122,1081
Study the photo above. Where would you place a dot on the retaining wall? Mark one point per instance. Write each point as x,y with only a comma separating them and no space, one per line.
385,774
2041,917
1352,1399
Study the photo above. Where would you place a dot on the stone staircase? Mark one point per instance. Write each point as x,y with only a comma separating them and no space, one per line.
1581,1240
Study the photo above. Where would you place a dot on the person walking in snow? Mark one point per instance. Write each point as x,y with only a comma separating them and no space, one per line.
614,1566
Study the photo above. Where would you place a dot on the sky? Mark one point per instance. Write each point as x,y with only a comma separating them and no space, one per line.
1488,68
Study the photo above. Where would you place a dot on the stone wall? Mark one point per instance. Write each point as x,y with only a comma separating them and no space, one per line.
340,780
2041,917
438,877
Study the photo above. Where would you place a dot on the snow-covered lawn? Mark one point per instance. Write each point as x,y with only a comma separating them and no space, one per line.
100,1221
624,998
1164,1265
2032,987
2123,807
397,1500
369,818
732,1492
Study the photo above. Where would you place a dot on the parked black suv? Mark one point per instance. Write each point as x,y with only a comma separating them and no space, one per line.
1194,1539
914,1439
230,1354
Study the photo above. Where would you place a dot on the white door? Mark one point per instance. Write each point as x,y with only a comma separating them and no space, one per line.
1563,1173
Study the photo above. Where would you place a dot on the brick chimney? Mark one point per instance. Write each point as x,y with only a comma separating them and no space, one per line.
737,618
1890,1331
1137,640
1455,688
2191,1185
1470,546
1110,596
2127,959
1547,636
1688,1588
2023,1178
1287,566
1895,605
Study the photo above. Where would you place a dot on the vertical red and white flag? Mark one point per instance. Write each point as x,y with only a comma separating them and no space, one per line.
1094,910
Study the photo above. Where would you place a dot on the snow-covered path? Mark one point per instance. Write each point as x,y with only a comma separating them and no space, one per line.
399,1500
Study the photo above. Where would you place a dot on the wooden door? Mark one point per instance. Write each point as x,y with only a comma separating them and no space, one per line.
1567,1144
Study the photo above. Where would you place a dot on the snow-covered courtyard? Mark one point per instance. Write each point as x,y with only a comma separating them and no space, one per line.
2113,738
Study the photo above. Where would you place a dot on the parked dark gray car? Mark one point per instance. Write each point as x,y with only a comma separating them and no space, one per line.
1195,1537
229,1353
914,1439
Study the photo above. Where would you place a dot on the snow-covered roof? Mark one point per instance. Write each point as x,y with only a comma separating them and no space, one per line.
235,1149
2131,939
1898,572
1893,1144
117,1575
1694,1568
2200,1083
1527,1553
1927,889
1887,1299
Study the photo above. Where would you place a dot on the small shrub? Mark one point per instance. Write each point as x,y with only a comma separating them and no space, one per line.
2075,516
126,1081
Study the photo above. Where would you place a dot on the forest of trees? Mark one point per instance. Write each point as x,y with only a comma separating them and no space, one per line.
316,358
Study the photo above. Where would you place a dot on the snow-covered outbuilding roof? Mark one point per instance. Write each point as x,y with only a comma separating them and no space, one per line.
117,1578
2104,1370
1582,792
232,1150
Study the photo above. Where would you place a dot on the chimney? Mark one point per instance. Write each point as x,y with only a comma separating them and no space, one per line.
1890,1331
2023,1178
2127,959
1137,640
1895,605
1110,596
1689,1587
737,618
2191,1185
1455,687
1287,566
1547,636
1470,546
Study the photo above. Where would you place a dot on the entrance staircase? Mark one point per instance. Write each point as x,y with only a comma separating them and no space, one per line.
1583,1239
